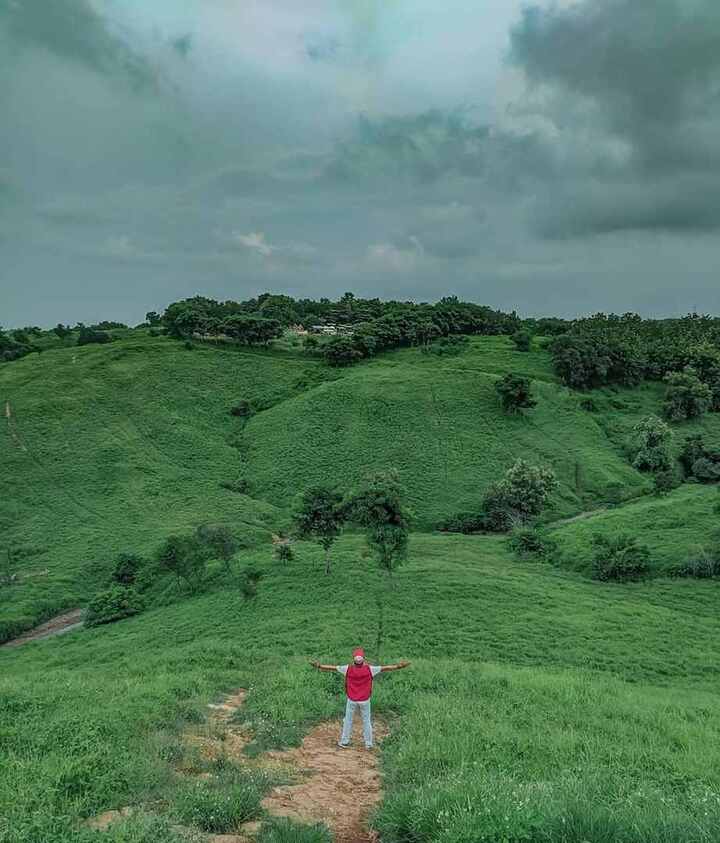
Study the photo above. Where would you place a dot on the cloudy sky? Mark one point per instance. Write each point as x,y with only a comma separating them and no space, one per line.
556,158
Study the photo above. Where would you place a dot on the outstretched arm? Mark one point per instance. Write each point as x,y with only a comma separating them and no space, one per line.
399,666
319,666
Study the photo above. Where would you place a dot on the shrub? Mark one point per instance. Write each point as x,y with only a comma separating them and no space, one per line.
448,346
249,582
522,340
619,558
650,445
243,409
665,482
532,542
186,557
687,396
700,463
113,604
127,568
589,405
463,522
283,552
515,392
189,345
218,540
522,494
87,336
703,566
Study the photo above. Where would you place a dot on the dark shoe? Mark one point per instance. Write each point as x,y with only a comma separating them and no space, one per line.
343,745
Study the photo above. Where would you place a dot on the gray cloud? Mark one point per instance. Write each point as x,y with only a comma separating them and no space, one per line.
628,94
155,150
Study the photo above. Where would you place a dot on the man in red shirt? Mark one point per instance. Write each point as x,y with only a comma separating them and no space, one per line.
358,688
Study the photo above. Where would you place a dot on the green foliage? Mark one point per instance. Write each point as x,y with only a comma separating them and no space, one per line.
341,351
319,515
283,552
515,392
186,557
243,409
249,581
651,445
698,461
90,336
127,567
665,481
532,542
687,397
218,541
522,340
113,604
378,507
250,330
619,558
521,495
448,346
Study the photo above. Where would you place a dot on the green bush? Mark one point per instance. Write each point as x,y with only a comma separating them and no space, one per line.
126,569
522,340
515,392
522,494
283,552
113,604
532,542
463,522
619,558
687,396
650,445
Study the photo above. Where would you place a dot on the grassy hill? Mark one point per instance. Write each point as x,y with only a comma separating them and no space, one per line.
537,700
541,706
439,423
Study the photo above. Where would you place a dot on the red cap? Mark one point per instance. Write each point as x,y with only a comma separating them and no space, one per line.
358,651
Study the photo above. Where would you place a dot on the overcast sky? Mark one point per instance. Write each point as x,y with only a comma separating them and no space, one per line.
559,158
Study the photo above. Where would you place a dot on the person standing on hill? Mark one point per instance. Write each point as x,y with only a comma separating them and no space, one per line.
358,688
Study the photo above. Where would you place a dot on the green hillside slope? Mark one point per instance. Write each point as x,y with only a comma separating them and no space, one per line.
676,528
443,429
512,719
111,448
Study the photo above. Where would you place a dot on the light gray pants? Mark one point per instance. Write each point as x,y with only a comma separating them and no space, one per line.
348,722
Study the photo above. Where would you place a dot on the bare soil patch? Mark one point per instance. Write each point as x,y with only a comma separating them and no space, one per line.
55,626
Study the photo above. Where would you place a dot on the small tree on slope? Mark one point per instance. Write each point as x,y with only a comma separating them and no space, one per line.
319,516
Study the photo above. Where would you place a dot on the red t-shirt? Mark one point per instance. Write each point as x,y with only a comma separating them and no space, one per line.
359,680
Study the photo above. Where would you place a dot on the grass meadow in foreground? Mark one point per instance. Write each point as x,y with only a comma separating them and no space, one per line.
512,724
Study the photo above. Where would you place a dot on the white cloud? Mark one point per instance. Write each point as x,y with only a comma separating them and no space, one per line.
255,241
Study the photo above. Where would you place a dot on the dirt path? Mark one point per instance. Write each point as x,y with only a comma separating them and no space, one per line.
341,788
338,787
55,626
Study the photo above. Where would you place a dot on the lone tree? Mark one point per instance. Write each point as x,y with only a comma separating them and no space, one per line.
186,558
319,516
521,495
219,542
651,442
515,392
378,507
687,397
522,340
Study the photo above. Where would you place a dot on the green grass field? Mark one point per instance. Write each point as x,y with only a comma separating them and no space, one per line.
540,705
